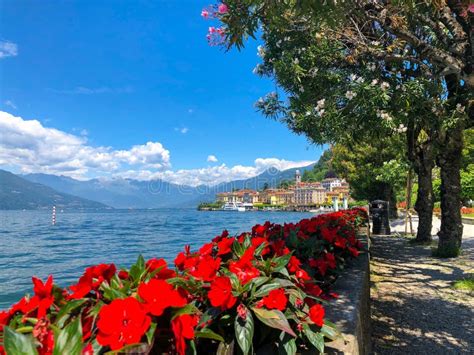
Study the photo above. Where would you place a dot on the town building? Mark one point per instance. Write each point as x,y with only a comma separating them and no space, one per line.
277,197
309,194
330,183
302,194
244,196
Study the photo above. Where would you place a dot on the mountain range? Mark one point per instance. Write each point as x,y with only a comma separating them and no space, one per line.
18,193
40,190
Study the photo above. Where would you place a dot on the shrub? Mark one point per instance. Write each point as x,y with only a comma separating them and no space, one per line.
260,290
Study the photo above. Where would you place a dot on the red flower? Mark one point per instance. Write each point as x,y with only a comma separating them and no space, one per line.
4,319
87,321
206,268
92,279
294,264
330,260
122,322
180,260
159,295
43,294
224,234
320,264
354,252
88,350
316,314
206,249
183,328
340,242
163,272
244,268
225,246
328,234
312,289
245,272
220,293
123,275
276,299
182,257
45,337
242,311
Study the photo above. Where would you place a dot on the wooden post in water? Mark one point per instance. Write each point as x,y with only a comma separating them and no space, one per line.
53,218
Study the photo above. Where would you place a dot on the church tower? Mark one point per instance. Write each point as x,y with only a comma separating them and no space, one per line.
298,177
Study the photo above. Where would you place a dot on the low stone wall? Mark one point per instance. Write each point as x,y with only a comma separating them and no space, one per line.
351,311
467,220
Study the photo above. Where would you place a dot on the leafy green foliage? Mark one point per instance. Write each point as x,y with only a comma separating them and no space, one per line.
18,344
244,329
69,339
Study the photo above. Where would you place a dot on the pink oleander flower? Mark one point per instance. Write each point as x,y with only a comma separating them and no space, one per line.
205,13
222,9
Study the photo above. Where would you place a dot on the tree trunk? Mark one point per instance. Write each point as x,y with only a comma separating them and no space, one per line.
392,200
424,204
449,160
422,156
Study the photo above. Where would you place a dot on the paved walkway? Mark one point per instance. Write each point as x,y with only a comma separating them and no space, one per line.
415,309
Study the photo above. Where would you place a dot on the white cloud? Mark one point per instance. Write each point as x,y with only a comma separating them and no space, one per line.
29,145
10,103
182,130
215,174
8,49
212,159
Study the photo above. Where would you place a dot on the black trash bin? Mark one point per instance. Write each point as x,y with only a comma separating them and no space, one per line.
379,213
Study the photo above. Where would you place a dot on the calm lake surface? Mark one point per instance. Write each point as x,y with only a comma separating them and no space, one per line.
31,246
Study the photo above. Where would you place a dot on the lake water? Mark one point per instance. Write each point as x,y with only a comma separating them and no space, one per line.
31,246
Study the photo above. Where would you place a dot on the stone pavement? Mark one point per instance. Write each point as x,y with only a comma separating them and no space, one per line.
415,309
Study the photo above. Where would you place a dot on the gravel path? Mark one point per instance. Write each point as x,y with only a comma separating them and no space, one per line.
415,309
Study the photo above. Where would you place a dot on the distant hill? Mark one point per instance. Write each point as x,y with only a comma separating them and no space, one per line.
129,193
123,193
273,177
18,193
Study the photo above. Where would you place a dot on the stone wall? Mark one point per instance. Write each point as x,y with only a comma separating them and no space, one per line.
351,311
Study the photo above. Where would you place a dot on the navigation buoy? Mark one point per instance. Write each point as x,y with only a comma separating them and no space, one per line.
53,220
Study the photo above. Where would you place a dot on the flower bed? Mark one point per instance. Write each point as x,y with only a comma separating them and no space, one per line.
260,291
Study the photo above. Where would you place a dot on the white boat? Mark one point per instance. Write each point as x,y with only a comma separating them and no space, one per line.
232,206
237,206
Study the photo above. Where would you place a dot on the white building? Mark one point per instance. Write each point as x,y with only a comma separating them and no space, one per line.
330,183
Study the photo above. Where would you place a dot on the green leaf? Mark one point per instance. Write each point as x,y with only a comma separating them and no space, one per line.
329,330
209,334
69,339
288,343
138,269
188,309
111,293
280,262
238,248
151,333
258,281
66,311
274,319
225,349
244,331
317,339
16,343
265,289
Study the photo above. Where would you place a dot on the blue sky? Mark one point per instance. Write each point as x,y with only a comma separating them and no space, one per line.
118,74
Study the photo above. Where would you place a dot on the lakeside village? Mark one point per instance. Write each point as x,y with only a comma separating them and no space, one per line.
328,195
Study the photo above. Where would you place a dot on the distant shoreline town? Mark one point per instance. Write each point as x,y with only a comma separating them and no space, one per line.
330,193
